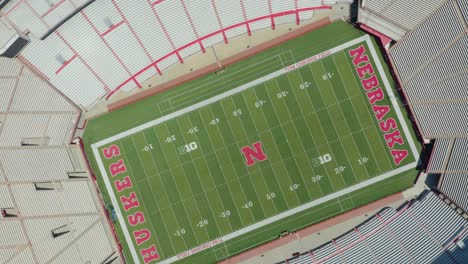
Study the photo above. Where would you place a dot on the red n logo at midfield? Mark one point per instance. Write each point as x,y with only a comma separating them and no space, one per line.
250,153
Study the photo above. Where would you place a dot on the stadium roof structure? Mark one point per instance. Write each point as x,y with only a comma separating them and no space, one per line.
51,210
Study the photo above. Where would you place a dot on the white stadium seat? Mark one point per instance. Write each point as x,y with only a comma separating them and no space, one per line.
109,42
420,232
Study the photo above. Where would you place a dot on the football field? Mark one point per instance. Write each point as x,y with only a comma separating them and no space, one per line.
212,170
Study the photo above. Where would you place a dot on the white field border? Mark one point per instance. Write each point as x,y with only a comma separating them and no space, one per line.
246,86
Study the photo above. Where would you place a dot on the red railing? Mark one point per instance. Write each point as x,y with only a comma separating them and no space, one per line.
222,31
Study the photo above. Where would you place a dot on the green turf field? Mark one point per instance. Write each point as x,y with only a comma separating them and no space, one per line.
324,152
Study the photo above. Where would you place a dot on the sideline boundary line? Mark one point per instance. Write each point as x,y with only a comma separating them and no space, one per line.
392,97
95,147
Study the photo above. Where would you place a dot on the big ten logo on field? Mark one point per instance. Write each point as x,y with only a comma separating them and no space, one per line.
187,148
322,160
252,155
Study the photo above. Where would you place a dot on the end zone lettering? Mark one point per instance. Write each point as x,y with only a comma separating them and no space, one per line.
375,94
142,235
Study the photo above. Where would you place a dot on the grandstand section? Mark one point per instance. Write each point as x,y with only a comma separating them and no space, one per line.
431,65
440,155
412,234
396,18
49,208
454,186
122,35
449,159
33,113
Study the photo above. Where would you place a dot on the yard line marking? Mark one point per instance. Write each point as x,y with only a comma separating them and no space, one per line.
242,188
295,129
261,171
232,164
200,181
269,130
311,136
307,125
189,185
211,173
166,193
152,193
249,172
277,149
321,128
177,190
334,125
341,206
331,118
358,117
260,167
272,168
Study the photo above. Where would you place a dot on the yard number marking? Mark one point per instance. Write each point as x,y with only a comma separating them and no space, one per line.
317,178
363,160
259,103
327,76
214,122
148,147
248,205
170,139
180,232
225,214
282,94
304,85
